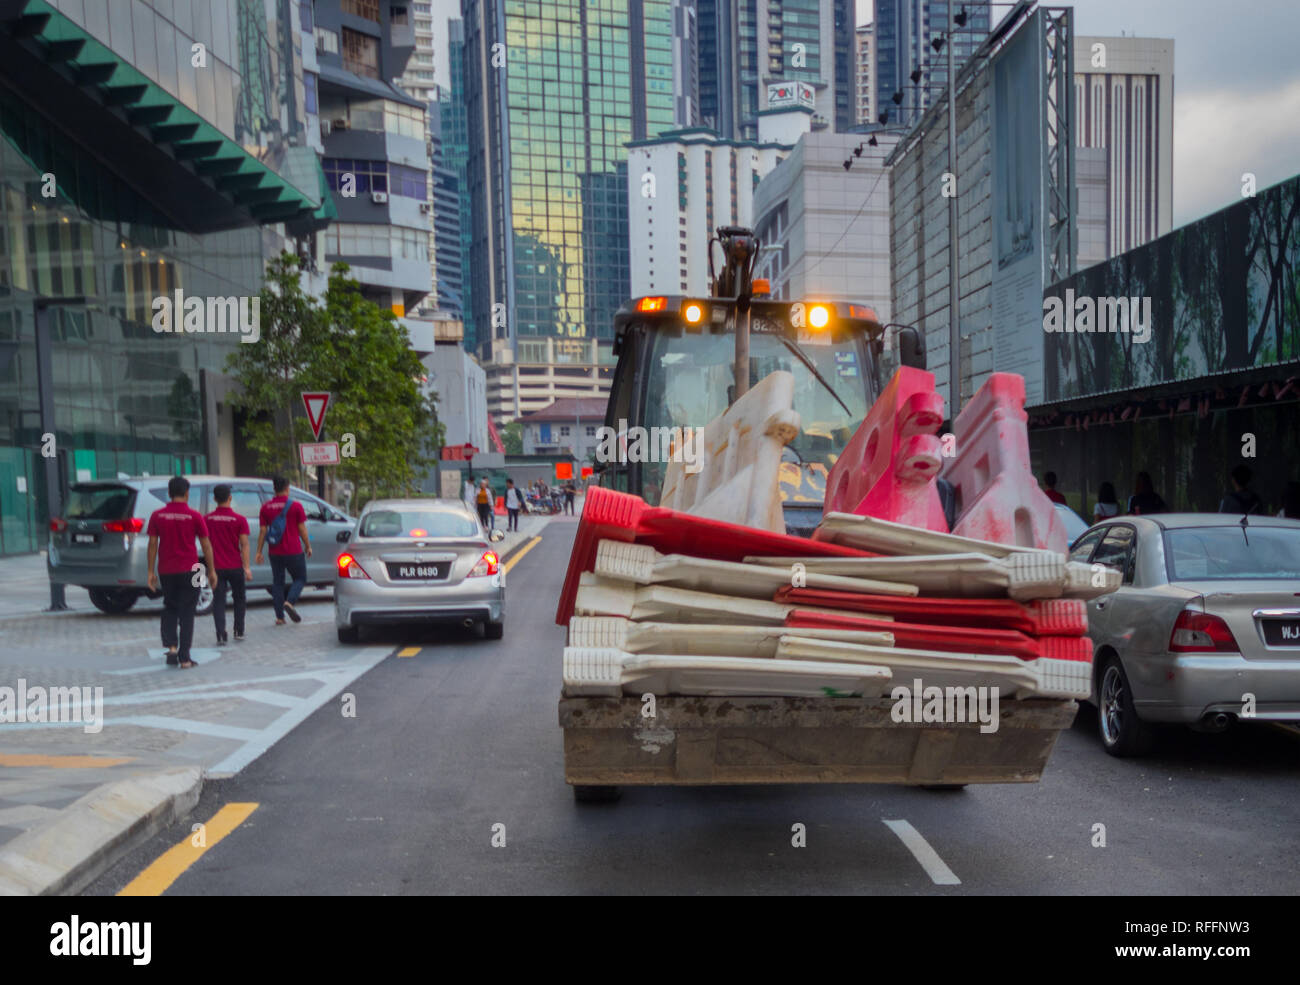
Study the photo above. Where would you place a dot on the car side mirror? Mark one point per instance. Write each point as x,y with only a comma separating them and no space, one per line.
343,536
497,535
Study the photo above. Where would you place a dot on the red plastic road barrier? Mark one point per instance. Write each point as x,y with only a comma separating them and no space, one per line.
1045,617
612,515
953,639
889,466
1000,498
499,509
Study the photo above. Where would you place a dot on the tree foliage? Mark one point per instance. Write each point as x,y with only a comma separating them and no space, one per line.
359,353
512,436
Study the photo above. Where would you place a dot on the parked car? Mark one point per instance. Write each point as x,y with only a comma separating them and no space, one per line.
419,561
1074,525
99,543
1205,628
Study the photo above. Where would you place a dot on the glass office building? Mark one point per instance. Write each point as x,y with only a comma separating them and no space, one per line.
905,30
554,91
127,173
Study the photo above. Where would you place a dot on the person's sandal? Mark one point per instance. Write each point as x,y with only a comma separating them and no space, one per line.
171,658
189,663
292,612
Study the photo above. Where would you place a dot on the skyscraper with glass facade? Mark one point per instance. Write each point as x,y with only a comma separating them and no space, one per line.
904,32
554,90
747,45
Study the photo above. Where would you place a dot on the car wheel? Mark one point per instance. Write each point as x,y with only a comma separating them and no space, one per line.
596,794
494,630
349,634
1122,732
112,600
205,599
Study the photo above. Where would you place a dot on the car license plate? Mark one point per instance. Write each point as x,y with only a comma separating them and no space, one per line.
418,572
1282,632
84,538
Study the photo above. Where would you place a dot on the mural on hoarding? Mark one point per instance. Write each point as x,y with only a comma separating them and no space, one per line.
1223,294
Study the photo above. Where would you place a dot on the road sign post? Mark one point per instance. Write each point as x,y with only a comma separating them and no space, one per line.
317,402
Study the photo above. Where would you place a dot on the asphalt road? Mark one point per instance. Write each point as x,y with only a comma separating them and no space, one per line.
447,744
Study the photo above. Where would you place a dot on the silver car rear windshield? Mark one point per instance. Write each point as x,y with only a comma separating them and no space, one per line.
418,523
1214,553
100,502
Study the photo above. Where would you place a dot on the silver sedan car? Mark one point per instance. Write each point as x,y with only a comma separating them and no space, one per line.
419,561
1205,628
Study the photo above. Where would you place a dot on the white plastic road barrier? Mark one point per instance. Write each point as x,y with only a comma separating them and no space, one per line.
1044,677
606,671
606,597
1021,576
701,639
869,533
644,565
739,460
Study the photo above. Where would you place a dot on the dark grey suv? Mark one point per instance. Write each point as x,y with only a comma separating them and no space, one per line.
100,542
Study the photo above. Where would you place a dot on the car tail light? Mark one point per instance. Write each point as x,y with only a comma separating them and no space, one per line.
350,568
58,525
131,526
1200,632
487,565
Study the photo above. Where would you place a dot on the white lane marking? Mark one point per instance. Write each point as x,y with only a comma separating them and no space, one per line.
273,733
934,866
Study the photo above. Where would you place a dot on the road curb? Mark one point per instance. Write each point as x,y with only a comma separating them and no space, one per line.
64,857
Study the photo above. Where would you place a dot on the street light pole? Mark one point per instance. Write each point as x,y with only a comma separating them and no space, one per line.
954,321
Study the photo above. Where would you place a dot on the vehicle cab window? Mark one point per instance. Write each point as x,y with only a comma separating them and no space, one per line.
1117,550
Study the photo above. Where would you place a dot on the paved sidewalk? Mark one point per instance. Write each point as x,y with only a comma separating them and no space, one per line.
238,701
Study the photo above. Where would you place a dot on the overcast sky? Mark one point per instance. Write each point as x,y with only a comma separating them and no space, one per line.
1236,86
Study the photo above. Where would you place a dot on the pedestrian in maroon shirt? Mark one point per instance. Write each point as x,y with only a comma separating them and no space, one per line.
1049,480
287,555
172,531
228,531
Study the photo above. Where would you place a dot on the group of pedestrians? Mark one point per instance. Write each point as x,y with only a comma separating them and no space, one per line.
177,570
1240,499
515,500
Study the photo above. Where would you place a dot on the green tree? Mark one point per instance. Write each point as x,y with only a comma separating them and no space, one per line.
512,436
271,372
353,349
365,359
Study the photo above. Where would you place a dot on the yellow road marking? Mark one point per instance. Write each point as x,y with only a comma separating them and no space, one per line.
62,762
409,651
169,866
521,552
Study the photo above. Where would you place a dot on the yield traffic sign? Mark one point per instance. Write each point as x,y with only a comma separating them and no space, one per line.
316,403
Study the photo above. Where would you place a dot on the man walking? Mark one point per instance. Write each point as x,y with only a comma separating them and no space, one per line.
172,531
288,542
569,492
1049,480
514,503
229,534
